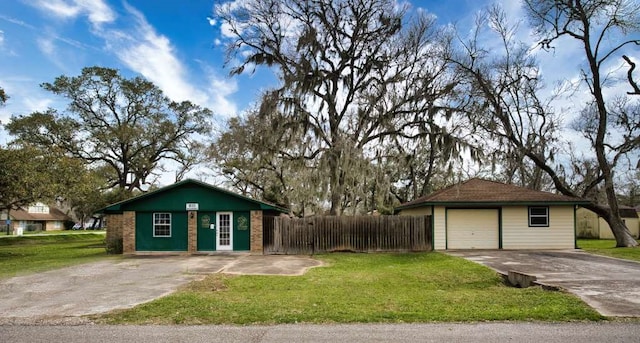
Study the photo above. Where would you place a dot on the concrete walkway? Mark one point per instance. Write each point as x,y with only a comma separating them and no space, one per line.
123,283
609,285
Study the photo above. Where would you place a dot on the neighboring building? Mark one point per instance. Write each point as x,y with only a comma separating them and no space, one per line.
482,214
188,216
590,225
37,217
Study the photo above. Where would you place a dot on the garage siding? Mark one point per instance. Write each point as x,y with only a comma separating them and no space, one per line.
439,228
516,233
472,229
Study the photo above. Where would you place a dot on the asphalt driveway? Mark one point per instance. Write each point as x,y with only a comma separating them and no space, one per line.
123,283
609,285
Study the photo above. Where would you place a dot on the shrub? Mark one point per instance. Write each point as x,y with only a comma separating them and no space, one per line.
68,224
114,245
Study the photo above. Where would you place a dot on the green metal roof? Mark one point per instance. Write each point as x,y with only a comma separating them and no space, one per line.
118,207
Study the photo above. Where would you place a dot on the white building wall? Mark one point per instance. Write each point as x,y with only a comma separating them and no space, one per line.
516,233
439,228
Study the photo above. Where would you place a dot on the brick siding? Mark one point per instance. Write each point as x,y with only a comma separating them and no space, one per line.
256,232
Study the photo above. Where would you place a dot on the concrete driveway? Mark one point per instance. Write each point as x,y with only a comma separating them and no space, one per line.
123,283
609,285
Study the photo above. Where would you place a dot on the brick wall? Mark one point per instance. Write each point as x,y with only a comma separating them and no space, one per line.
114,226
256,232
192,229
129,232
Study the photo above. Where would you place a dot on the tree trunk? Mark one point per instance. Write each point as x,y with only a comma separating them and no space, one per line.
620,232
335,188
618,228
8,216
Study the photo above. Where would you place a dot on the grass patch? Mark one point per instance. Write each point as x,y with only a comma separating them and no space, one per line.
390,288
607,247
54,233
3,234
27,254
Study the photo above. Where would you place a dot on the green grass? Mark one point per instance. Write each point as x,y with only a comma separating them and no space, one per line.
55,232
607,247
359,288
27,254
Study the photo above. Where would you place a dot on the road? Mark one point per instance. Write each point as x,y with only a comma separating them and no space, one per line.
474,332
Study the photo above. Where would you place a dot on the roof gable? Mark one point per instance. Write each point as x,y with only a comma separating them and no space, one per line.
175,196
54,215
480,191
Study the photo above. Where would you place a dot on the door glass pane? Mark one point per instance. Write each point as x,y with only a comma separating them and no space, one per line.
225,229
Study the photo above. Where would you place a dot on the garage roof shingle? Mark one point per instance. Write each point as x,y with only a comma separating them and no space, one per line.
480,191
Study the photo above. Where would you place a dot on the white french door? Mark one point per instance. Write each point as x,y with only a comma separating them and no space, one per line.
224,234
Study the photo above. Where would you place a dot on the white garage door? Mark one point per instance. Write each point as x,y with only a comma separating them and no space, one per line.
472,229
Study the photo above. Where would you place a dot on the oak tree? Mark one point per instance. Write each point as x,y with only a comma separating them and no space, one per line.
353,74
505,97
126,127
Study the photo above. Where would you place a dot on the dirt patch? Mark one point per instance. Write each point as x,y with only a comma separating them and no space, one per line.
211,283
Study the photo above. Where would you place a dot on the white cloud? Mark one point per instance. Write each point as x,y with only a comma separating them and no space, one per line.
221,88
1,38
23,99
46,46
513,9
151,54
51,52
96,10
227,30
17,22
99,12
33,103
212,21
59,8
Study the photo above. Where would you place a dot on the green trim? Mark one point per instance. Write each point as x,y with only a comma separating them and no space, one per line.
117,207
500,228
446,228
575,229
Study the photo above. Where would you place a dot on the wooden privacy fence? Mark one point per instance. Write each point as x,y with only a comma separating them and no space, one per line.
284,235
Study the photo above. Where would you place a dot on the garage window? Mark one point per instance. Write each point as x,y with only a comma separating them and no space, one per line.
162,225
538,216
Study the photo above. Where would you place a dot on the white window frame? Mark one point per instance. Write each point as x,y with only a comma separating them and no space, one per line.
157,216
538,216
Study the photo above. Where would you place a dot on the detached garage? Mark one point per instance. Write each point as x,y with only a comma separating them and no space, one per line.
482,214
189,216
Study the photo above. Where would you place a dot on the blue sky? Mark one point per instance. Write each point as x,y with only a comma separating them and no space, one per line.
172,43
175,45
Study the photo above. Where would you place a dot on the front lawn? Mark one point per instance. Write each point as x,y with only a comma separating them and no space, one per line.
392,288
27,254
607,247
